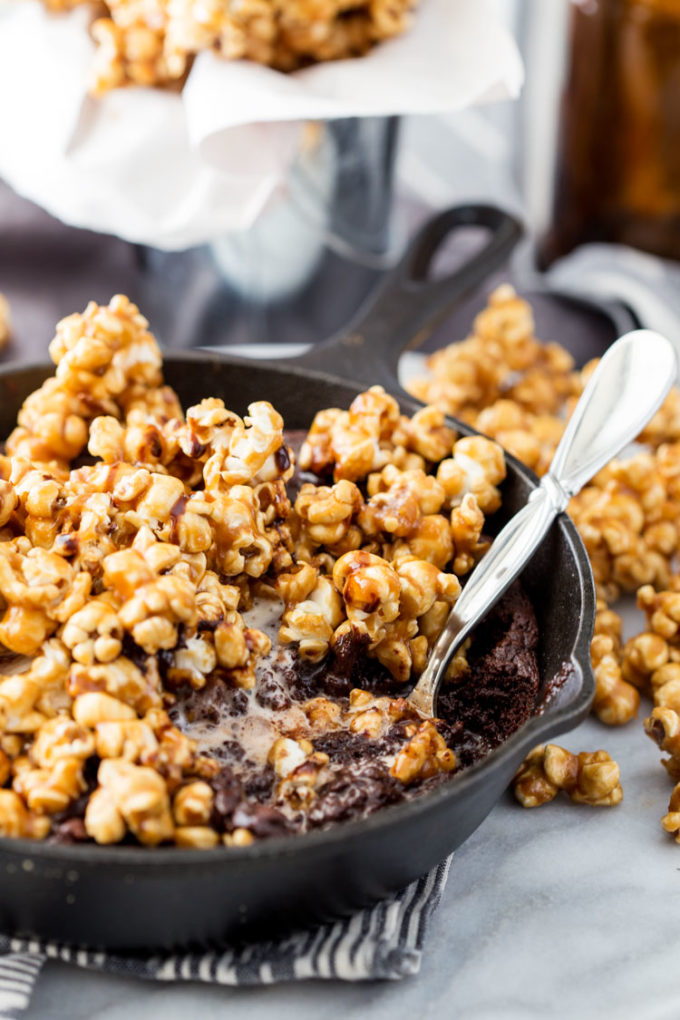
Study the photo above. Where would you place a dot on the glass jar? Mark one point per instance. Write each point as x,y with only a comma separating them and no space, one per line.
312,258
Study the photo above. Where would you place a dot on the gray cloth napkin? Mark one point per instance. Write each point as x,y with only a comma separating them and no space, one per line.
382,942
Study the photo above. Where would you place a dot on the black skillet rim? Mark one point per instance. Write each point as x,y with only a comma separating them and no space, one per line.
551,720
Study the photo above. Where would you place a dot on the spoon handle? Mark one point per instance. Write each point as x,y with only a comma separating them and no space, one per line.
626,389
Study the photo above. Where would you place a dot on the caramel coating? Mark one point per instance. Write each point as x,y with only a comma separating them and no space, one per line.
590,777
616,701
663,726
153,42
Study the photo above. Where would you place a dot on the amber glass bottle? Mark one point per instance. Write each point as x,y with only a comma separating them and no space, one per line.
618,161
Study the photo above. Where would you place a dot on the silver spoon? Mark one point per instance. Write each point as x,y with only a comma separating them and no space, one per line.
626,389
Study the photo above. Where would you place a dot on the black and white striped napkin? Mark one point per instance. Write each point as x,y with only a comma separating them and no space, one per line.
383,942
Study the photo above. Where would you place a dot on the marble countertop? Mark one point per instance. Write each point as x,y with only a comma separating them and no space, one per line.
565,910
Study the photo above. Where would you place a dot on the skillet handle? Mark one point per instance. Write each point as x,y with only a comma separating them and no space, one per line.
407,306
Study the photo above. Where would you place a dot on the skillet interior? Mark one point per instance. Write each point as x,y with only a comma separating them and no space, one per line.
141,898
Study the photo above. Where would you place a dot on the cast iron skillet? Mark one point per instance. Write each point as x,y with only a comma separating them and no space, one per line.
125,897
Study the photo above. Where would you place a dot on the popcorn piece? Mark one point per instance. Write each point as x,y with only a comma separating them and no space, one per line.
323,714
122,679
373,716
104,353
427,434
431,539
193,804
662,611
241,542
312,622
59,738
425,754
532,438
131,739
591,777
467,521
245,451
42,589
131,55
50,790
129,797
285,755
237,649
297,585
608,624
643,655
426,490
477,467
663,726
371,434
17,821
616,701
94,633
395,512
531,784
198,837
371,592
422,584
327,512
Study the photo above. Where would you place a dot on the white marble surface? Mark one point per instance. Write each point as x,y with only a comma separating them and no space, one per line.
563,911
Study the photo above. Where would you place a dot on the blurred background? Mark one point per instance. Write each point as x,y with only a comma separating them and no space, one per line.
588,157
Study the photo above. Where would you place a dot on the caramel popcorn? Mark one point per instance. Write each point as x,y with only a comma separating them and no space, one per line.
102,357
590,777
127,55
312,622
127,581
616,701
16,820
352,444
425,754
129,796
651,659
501,359
663,726
153,42
628,524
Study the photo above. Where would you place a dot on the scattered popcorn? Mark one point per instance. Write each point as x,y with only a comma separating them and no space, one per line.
590,777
